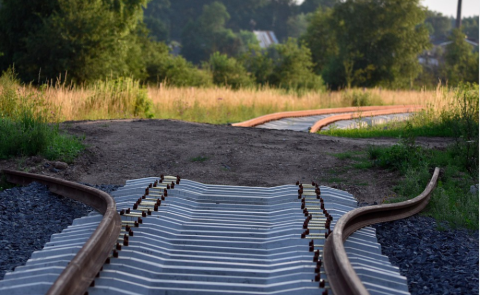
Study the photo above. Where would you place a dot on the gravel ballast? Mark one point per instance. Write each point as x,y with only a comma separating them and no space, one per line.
30,215
434,261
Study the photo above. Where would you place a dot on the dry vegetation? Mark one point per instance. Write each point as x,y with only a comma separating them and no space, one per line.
212,105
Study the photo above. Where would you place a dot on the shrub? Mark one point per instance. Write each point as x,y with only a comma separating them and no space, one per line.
294,67
228,71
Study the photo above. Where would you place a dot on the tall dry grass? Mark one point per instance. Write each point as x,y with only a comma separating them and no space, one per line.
108,100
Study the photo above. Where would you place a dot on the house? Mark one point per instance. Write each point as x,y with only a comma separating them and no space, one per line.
266,38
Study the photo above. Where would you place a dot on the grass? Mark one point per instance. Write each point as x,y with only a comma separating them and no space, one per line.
199,159
361,160
126,98
25,128
452,203
437,119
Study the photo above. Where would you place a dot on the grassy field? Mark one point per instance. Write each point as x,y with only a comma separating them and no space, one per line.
126,98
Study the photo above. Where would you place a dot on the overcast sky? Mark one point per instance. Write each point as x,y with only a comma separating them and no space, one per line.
449,7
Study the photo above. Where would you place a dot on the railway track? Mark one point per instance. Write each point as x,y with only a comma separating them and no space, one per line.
315,120
168,235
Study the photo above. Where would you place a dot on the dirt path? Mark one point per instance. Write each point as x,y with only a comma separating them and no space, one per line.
127,149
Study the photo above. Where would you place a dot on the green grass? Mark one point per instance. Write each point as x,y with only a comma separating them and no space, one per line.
451,203
392,129
360,159
199,159
432,121
24,127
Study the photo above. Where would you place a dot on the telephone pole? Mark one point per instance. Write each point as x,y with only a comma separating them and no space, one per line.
458,23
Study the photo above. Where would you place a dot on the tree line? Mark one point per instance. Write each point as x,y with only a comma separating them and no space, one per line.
324,43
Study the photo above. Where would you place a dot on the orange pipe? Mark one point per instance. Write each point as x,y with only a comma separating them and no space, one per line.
327,121
280,115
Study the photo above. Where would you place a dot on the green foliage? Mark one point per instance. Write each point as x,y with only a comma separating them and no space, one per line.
287,66
458,120
294,68
24,128
470,27
462,119
452,200
312,5
207,35
358,98
383,52
259,63
439,24
461,63
86,39
162,67
319,38
297,25
228,71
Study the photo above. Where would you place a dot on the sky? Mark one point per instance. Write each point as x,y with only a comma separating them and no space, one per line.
449,7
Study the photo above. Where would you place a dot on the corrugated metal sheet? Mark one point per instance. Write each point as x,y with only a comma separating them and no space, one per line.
266,38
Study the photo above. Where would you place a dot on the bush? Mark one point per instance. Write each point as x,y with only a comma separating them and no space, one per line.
294,68
163,67
228,71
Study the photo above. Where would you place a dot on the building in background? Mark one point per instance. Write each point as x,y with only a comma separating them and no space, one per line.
266,38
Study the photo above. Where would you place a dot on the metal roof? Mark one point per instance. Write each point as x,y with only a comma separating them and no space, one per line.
266,38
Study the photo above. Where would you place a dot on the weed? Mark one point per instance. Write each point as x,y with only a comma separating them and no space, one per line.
199,159
24,127
363,165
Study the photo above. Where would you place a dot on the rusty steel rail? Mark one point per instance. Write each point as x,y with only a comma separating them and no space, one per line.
80,272
341,275
327,121
281,115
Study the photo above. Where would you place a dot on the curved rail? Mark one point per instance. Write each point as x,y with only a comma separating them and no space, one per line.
341,275
81,271
281,115
327,121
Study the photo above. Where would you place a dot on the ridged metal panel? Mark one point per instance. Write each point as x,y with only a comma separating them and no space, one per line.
212,239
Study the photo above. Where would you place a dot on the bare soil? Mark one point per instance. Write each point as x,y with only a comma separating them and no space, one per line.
118,150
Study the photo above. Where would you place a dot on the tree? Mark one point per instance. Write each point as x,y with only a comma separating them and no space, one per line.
470,27
228,71
297,25
88,40
461,64
312,5
207,35
440,24
375,42
156,18
294,67
273,16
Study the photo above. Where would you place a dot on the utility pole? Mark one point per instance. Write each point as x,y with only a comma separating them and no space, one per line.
458,23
